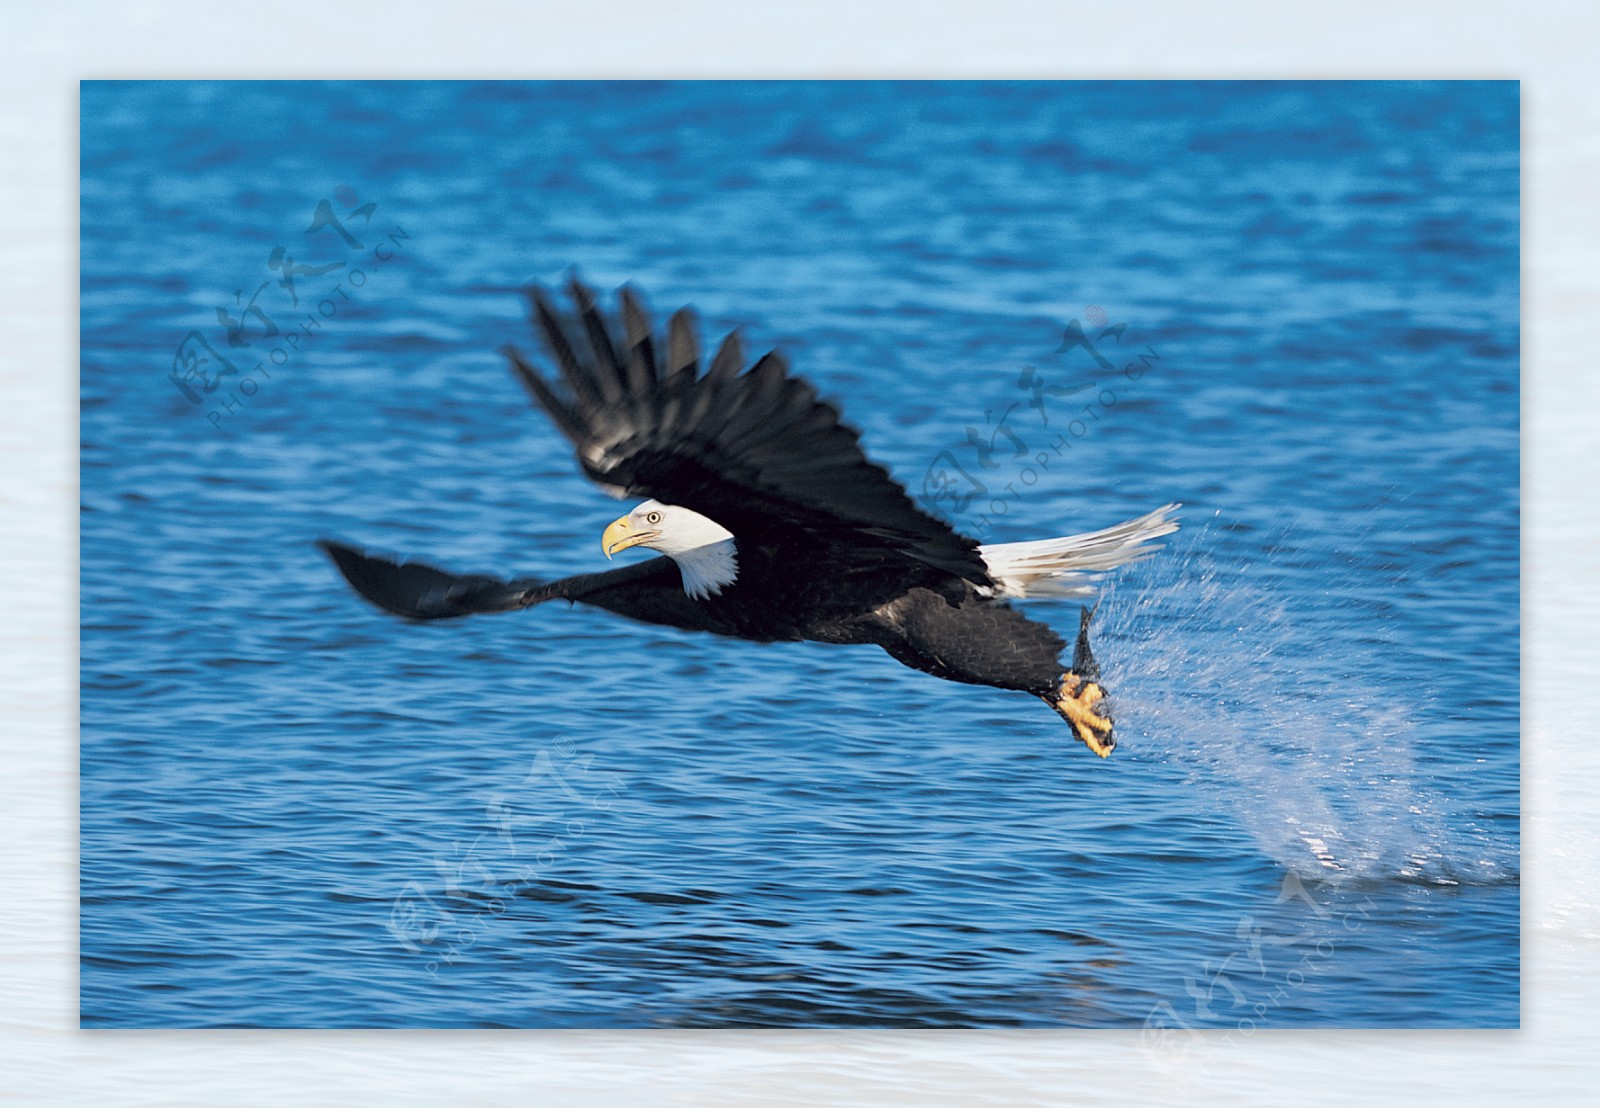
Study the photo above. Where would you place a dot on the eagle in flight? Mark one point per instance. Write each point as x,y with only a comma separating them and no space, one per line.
771,523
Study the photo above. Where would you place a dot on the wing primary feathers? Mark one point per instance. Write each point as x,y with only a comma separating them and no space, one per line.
543,395
560,347
767,377
760,412
641,347
607,371
422,592
650,590
762,415
635,319
683,349
729,359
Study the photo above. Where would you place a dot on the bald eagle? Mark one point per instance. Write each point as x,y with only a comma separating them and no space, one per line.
771,522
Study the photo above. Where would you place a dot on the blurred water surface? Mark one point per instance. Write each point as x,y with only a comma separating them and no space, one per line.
298,811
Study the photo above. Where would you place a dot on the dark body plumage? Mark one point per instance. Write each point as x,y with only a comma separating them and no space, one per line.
830,548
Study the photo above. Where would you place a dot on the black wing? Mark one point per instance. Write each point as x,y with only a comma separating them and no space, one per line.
756,451
651,591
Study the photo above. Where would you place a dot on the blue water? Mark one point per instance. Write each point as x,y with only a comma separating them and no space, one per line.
297,811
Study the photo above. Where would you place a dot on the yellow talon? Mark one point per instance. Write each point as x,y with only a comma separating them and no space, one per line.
1076,702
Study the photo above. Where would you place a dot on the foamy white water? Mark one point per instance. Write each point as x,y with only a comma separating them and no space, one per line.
1300,720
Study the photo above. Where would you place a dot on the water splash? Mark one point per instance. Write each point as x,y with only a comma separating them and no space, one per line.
1289,715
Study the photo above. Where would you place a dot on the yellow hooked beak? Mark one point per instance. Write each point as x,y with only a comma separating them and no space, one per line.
619,536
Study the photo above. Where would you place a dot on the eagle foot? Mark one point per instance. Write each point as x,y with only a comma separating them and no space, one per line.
1081,704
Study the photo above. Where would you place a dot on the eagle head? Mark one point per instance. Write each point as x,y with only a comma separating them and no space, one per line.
703,549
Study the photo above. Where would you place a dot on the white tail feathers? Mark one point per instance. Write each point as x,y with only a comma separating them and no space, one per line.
1069,566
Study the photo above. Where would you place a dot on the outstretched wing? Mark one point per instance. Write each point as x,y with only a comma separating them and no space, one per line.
650,591
756,451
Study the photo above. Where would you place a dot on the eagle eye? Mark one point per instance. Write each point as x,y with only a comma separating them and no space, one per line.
653,518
